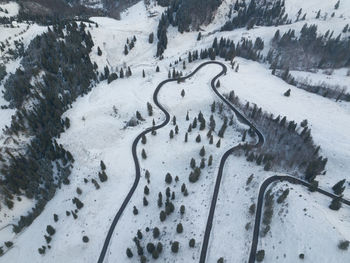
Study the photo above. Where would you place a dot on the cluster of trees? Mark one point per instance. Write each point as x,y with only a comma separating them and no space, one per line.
257,12
313,50
130,44
184,15
189,14
286,145
62,57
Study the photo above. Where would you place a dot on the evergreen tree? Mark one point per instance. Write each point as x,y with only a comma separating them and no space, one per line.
143,139
210,160
192,243
198,138
150,38
162,216
199,36
186,137
126,50
135,211
146,190
156,232
129,253
202,152
179,228
182,93
143,154
157,69
182,208
160,199
143,73
217,84
187,117
175,247
99,51
339,187
218,144
168,178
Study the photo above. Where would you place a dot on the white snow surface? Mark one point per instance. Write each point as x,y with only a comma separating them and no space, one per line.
98,132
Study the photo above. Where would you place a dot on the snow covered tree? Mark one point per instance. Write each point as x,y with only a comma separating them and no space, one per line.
198,138
126,51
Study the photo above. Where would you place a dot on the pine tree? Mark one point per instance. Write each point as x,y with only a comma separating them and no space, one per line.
143,139
162,216
143,73
199,36
139,234
202,152
175,247
193,163
176,129
182,208
121,73
217,84
187,117
143,154
339,187
126,50
135,211
157,69
210,160
179,228
218,144
171,134
202,164
337,5
150,38
99,51
146,190
198,138
186,137
192,243
335,204
189,128
156,232
168,178
213,107
160,199
182,93
194,124
129,253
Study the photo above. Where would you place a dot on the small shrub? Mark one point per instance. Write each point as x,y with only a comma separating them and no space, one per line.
85,239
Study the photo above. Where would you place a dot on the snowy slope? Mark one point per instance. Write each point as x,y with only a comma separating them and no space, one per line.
98,132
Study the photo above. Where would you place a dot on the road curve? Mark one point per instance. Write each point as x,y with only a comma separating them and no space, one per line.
148,130
259,143
258,214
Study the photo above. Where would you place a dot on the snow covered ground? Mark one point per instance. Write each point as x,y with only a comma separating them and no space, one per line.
9,9
98,132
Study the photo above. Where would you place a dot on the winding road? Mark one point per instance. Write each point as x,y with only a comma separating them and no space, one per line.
138,138
263,187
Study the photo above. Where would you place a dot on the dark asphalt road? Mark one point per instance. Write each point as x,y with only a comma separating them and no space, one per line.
134,152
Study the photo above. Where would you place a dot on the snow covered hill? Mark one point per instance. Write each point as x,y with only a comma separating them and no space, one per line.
104,122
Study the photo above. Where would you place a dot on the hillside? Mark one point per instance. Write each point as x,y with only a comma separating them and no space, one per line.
175,131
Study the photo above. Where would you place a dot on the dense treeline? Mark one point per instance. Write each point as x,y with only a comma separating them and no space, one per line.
257,12
189,14
184,15
286,145
313,50
59,61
